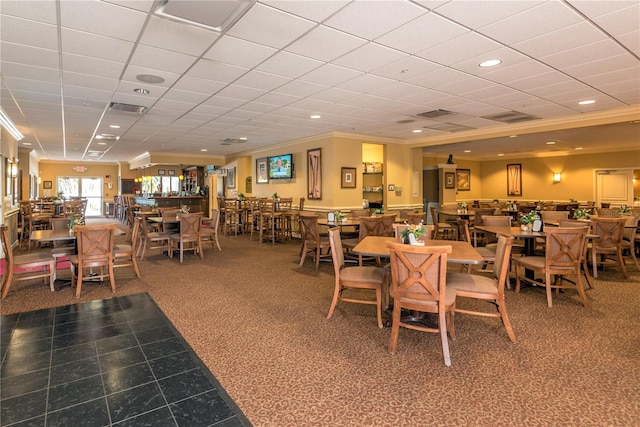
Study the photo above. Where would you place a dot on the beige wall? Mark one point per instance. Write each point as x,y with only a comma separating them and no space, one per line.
49,171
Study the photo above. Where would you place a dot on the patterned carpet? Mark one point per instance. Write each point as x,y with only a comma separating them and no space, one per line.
258,321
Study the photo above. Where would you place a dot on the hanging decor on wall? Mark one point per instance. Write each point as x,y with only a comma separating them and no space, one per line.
514,179
314,174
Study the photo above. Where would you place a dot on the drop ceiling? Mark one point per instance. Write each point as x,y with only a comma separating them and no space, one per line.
255,72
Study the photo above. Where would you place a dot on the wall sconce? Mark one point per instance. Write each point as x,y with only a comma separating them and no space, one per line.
557,177
180,177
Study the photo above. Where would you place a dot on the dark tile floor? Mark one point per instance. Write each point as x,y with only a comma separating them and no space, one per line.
112,362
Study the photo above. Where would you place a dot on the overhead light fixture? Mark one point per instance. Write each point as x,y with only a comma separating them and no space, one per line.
467,151
500,154
243,138
550,142
141,91
578,148
102,143
149,78
114,126
203,149
315,116
587,102
26,143
557,177
490,63
416,130
6,123
513,136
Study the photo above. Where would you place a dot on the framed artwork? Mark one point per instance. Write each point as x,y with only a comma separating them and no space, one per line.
262,173
463,179
47,185
314,174
172,172
231,178
449,180
514,179
348,178
161,172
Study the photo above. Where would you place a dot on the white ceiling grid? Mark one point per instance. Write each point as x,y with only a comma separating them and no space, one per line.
364,65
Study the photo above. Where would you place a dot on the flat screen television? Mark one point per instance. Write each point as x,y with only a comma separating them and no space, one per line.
281,167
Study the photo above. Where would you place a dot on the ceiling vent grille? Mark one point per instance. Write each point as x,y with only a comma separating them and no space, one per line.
233,141
128,108
510,117
435,113
218,15
448,127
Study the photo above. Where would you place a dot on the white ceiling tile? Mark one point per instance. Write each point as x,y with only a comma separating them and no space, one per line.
277,99
549,110
93,66
518,71
92,95
195,84
422,33
570,37
539,80
629,75
381,17
264,25
28,55
366,83
218,71
236,91
533,22
35,10
631,41
299,88
584,54
406,68
476,14
438,77
369,57
132,71
235,51
30,33
325,44
162,59
289,65
223,102
42,74
602,66
508,56
95,46
335,94
260,80
177,36
615,17
314,10
141,5
468,45
462,86
330,75
184,96
89,81
91,16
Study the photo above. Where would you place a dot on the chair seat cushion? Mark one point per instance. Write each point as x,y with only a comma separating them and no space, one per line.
489,254
35,257
350,243
60,252
121,248
471,283
533,262
362,274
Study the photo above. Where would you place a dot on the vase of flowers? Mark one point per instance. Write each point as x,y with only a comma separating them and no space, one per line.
624,210
339,216
527,219
73,221
462,207
581,214
415,230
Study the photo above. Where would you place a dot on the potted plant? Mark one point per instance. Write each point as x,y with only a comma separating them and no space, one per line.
581,214
154,207
339,216
624,210
275,196
414,230
527,219
241,196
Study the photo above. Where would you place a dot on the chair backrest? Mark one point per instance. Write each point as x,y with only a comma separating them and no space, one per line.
497,221
463,230
434,214
630,229
8,254
230,204
337,254
574,223
501,263
387,225
480,214
215,219
309,227
554,215
357,213
418,275
59,223
564,248
417,217
285,203
190,225
95,244
370,226
169,214
301,204
609,231
267,206
608,212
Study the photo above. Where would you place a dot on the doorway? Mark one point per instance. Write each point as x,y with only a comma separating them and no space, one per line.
614,186
89,188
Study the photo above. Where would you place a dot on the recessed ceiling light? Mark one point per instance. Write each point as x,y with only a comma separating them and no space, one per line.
467,151
243,138
315,116
114,126
26,143
141,91
149,78
550,142
102,143
587,102
490,63
86,104
578,148
500,154
513,136
416,130
203,149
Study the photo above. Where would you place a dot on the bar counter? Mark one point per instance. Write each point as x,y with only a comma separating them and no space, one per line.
195,203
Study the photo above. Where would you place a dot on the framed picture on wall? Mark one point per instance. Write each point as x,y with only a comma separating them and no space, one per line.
262,173
172,172
161,171
449,180
514,179
348,178
47,185
231,178
463,179
314,174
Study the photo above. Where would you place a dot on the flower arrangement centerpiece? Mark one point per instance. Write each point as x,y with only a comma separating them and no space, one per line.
73,221
275,195
339,216
184,209
511,205
572,200
580,214
624,209
417,230
241,196
154,206
462,207
540,204
527,219
378,211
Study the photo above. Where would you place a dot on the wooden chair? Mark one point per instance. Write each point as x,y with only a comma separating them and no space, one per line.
369,226
188,239
210,233
312,241
285,206
95,249
484,288
580,224
628,239
42,260
442,230
488,254
270,221
232,215
356,277
419,275
124,255
417,218
610,232
478,219
168,220
63,248
564,249
152,240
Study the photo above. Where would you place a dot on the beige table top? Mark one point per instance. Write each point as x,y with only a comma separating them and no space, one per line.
461,252
510,231
63,234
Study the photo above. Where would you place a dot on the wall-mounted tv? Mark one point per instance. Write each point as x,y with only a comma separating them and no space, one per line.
281,167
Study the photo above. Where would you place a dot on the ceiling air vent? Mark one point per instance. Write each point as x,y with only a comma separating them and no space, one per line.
233,141
216,15
128,108
448,127
510,117
435,113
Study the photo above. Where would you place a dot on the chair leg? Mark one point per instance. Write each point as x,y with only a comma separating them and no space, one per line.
112,278
442,325
622,264
395,330
334,301
379,306
502,310
547,281
135,265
